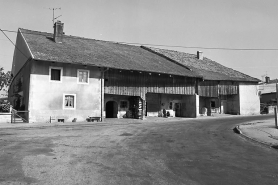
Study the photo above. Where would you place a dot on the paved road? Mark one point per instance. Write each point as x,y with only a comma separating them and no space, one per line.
192,151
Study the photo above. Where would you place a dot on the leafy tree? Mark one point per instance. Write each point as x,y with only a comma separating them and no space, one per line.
5,79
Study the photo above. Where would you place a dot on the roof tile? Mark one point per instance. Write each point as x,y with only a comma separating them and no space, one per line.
100,53
209,69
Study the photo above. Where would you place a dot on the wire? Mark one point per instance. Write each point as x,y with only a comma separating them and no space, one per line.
256,67
161,45
13,44
197,47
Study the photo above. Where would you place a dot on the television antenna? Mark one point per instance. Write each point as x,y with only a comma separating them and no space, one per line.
54,18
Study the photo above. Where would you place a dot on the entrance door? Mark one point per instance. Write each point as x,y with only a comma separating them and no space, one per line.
178,109
111,109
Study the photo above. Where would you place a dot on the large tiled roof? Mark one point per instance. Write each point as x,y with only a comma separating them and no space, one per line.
100,53
208,69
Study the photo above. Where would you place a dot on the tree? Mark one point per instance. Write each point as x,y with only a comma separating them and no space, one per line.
5,79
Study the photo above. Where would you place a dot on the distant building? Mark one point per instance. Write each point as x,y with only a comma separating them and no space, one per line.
267,91
71,78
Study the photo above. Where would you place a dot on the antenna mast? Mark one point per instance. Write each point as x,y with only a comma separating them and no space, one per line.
53,9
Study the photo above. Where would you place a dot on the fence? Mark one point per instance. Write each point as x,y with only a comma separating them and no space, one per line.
16,116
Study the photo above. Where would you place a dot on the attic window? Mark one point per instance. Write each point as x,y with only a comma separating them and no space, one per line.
55,74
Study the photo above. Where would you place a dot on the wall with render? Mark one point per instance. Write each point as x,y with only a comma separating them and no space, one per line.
249,100
46,97
21,54
19,89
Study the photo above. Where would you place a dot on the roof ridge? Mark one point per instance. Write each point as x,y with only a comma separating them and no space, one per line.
192,61
71,36
33,31
146,48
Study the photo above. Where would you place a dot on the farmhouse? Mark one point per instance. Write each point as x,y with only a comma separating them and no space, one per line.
73,78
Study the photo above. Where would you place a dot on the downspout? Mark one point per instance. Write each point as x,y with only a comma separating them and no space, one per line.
101,94
219,99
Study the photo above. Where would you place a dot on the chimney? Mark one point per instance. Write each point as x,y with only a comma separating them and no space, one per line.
267,79
200,55
58,32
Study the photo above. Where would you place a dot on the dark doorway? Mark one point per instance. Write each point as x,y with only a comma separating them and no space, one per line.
111,109
178,109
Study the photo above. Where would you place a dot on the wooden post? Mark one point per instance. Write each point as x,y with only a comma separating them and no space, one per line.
11,111
275,110
275,113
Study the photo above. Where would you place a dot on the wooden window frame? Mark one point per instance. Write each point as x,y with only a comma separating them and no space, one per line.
61,74
88,77
74,102
126,104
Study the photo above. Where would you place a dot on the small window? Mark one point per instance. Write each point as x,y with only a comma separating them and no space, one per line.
83,76
123,104
171,105
55,74
69,101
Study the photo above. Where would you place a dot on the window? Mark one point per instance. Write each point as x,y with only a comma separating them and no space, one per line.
69,101
171,105
123,104
83,76
55,74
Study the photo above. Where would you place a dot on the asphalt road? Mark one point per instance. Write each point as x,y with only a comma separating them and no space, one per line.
192,151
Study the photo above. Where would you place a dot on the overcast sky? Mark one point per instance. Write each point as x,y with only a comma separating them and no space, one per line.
190,23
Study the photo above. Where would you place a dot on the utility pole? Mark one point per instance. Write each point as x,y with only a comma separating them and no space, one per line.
276,103
53,9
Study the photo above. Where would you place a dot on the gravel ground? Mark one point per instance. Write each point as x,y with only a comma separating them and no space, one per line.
182,152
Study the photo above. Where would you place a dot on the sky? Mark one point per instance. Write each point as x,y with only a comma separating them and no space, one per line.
237,24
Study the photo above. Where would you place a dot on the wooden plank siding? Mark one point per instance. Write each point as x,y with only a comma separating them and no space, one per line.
216,88
138,84
228,88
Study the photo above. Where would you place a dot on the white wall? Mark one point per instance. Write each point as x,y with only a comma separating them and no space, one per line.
249,100
46,98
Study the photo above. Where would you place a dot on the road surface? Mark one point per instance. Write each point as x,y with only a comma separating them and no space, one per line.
191,151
